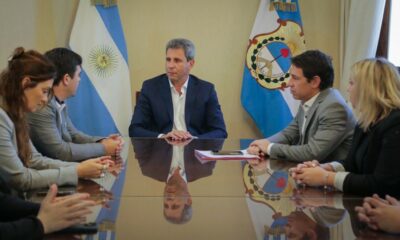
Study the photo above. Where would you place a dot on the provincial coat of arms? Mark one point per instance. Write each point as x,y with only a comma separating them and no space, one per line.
268,55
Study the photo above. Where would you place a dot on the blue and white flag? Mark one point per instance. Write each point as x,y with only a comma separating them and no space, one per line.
277,35
102,104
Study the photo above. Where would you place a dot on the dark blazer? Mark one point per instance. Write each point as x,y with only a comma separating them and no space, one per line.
18,217
155,157
154,115
378,171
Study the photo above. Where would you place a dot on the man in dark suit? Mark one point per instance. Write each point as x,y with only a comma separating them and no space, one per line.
178,105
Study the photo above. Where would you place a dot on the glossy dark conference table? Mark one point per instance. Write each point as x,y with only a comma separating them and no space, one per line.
230,199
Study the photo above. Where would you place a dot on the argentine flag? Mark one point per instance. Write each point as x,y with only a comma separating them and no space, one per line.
105,214
277,35
102,104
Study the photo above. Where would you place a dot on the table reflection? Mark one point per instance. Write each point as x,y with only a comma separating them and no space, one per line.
161,185
282,210
174,163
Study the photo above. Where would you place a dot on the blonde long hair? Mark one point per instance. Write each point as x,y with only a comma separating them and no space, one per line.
378,90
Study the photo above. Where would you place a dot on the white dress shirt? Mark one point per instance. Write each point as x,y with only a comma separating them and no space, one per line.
179,102
60,108
177,162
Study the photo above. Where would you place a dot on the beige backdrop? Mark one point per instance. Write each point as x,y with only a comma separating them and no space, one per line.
219,29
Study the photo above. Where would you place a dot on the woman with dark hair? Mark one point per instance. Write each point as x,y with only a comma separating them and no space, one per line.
24,87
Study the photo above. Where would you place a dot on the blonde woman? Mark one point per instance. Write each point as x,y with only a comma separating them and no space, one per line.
372,165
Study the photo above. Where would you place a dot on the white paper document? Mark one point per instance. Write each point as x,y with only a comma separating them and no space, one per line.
224,155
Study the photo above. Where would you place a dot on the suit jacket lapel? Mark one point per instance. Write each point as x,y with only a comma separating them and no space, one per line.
190,99
358,141
160,161
300,120
62,129
165,91
357,136
53,104
314,107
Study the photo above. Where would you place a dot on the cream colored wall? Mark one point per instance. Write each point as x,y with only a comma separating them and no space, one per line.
322,29
219,29
18,26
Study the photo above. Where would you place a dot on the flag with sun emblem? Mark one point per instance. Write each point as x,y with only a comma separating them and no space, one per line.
277,35
102,104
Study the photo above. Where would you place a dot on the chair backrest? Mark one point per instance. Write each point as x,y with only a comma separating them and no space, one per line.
137,94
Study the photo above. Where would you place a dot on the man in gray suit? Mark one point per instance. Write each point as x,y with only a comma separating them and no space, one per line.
51,129
323,126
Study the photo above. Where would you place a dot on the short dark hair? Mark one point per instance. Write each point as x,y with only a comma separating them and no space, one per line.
65,61
316,63
182,43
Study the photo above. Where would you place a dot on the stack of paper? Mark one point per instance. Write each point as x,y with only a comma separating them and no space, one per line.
211,156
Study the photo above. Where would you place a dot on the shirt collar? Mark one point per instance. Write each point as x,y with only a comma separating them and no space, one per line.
310,101
60,104
58,100
184,87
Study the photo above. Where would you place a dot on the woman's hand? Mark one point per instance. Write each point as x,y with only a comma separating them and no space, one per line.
380,214
93,168
313,176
